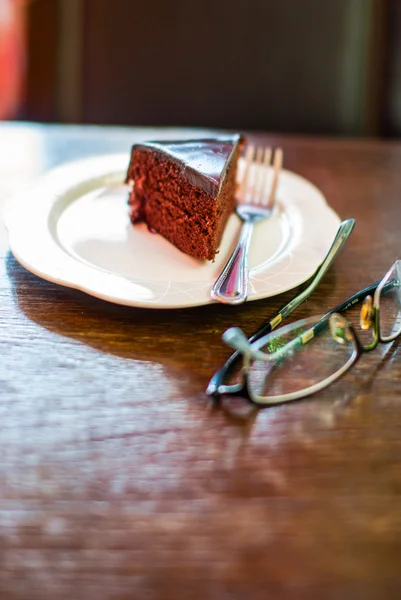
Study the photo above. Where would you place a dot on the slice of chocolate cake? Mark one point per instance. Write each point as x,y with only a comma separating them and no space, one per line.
185,190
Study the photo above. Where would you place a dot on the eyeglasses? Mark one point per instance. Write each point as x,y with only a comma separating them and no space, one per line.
344,231
302,358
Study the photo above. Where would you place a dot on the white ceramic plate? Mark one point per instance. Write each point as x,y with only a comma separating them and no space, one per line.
73,229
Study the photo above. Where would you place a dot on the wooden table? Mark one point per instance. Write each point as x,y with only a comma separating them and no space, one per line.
119,480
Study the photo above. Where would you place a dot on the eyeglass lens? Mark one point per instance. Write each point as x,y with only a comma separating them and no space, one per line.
390,305
298,360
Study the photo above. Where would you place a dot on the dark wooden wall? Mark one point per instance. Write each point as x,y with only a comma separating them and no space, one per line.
41,72
391,114
285,65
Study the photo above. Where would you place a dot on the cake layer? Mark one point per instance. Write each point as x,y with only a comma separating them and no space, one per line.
185,190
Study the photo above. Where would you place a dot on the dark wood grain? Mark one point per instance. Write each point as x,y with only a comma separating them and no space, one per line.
119,480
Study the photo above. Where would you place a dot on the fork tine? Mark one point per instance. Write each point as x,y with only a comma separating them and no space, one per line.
264,173
277,164
244,181
257,174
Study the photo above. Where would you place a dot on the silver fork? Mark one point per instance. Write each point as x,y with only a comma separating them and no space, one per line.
255,203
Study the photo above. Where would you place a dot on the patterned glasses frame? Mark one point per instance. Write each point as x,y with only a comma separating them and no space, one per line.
341,331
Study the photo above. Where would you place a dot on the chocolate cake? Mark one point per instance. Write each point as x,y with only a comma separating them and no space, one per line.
184,190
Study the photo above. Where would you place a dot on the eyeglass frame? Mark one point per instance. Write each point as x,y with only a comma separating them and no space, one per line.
242,389
344,231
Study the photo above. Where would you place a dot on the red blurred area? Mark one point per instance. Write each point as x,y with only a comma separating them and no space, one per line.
12,57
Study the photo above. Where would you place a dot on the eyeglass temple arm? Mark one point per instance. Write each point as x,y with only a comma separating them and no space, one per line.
236,339
306,336
343,233
359,297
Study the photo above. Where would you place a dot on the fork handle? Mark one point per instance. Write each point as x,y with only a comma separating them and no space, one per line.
231,287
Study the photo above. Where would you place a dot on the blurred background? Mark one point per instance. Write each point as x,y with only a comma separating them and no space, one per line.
302,66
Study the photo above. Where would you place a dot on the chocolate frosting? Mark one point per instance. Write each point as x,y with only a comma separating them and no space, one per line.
204,162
